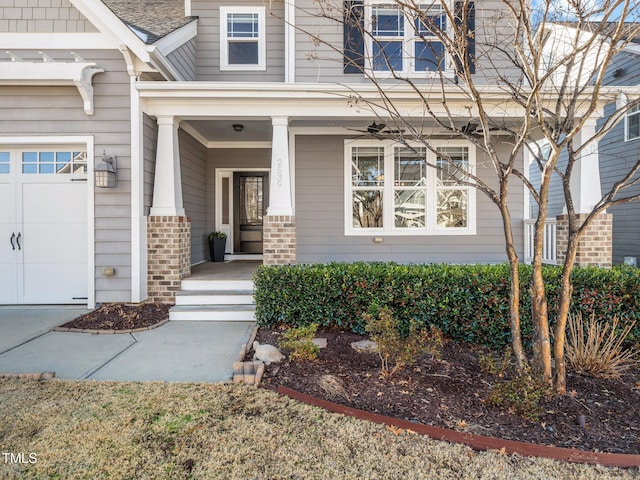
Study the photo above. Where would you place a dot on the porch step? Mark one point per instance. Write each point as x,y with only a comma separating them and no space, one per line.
214,297
217,285
213,313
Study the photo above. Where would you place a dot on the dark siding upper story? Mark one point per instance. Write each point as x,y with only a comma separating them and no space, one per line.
321,228
58,111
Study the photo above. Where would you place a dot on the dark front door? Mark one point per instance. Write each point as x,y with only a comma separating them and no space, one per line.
251,194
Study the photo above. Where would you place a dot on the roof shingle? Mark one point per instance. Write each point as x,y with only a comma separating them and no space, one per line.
150,20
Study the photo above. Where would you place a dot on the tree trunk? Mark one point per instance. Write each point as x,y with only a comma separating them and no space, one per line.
514,291
540,319
564,303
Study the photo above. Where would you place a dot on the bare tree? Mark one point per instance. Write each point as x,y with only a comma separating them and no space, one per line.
483,74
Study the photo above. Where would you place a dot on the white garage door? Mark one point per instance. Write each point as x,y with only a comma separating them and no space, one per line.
43,226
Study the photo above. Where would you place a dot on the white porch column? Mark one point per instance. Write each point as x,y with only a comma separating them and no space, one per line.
585,178
280,199
167,188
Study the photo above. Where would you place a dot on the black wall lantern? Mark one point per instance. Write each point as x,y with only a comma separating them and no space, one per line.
105,171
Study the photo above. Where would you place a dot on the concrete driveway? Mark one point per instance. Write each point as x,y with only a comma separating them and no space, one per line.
175,352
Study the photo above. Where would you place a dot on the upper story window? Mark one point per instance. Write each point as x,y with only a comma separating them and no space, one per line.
395,190
404,40
632,123
242,38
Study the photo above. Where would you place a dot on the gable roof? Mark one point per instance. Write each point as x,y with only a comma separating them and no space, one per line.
150,20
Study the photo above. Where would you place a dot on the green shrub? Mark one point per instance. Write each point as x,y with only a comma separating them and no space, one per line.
469,303
298,340
397,349
520,395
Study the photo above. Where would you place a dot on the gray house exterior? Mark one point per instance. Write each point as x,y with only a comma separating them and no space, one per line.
618,151
222,116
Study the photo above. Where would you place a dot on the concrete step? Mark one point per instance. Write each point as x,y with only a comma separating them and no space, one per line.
217,285
213,313
214,297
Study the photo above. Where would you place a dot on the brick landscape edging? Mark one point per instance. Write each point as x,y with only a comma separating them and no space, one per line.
477,442
109,332
30,376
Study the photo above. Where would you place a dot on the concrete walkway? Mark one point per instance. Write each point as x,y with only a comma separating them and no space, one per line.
175,352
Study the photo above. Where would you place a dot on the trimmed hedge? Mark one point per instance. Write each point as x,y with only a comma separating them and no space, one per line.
467,302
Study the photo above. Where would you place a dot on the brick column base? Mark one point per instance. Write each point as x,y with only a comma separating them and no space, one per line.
168,256
279,237
596,244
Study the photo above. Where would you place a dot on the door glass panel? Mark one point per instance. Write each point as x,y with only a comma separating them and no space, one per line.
4,163
251,201
64,162
225,200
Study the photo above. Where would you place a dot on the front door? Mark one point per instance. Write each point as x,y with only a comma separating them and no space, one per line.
251,194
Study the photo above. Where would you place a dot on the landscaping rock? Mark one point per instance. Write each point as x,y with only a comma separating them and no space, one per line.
365,346
267,353
320,342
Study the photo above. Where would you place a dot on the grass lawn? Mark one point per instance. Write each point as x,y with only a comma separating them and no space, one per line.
99,430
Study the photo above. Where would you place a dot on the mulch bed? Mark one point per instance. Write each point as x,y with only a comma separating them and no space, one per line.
120,317
451,392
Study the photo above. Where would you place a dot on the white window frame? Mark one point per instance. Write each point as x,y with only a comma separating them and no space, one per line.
224,40
389,228
631,113
408,44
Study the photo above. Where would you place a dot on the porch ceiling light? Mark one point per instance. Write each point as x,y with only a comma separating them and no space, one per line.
105,171
238,127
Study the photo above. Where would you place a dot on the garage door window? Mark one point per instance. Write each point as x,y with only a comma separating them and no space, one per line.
4,163
54,162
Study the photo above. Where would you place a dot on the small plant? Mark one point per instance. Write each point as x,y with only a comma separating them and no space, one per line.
596,348
520,395
488,364
298,340
397,350
217,234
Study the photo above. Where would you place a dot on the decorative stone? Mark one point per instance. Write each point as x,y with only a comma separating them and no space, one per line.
320,342
365,346
267,353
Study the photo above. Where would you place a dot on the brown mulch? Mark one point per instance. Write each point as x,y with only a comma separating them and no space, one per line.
120,316
451,392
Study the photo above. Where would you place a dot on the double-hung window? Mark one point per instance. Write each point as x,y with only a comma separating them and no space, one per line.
393,189
632,123
405,41
242,38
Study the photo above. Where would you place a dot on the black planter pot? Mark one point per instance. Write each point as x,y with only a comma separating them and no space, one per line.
216,249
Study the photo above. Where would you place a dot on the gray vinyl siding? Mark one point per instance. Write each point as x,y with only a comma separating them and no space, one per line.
150,143
42,16
231,158
193,157
616,158
56,111
320,225
208,42
183,59
324,62
555,204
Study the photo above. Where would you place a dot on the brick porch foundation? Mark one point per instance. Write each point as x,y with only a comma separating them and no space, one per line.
596,244
279,237
168,256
